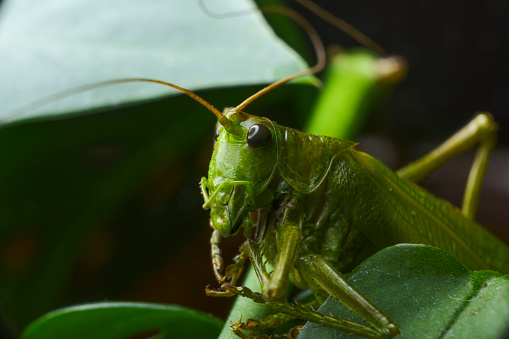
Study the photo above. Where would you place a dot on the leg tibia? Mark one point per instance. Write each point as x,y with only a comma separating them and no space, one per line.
285,311
290,241
480,131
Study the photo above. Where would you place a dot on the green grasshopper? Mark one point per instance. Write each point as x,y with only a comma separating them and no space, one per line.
314,206
328,204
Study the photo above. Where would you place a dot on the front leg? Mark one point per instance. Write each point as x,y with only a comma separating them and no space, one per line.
289,243
285,311
233,271
274,285
216,255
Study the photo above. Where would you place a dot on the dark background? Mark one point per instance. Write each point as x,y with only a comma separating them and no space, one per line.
457,55
457,52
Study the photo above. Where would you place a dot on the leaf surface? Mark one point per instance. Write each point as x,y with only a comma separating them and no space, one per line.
112,320
55,45
429,293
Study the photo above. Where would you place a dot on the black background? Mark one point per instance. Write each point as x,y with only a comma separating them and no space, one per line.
457,52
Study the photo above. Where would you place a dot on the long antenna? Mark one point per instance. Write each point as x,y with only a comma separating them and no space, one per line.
343,25
313,36
315,40
223,120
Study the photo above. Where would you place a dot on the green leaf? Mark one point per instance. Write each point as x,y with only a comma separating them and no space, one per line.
429,293
66,179
51,46
112,320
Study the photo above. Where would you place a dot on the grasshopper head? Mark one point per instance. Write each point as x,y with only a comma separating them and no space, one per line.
242,166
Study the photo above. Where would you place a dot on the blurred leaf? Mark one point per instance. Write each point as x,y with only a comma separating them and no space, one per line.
64,178
121,320
56,45
429,293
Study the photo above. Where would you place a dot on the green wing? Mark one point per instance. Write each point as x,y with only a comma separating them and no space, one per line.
410,214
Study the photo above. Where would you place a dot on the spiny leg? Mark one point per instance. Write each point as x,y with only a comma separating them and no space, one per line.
272,320
216,255
233,271
481,130
274,286
260,219
327,278
285,311
252,251
292,334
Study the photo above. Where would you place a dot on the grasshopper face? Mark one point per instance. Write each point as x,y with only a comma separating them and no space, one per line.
242,166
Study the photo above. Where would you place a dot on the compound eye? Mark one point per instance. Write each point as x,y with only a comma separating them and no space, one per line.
258,136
